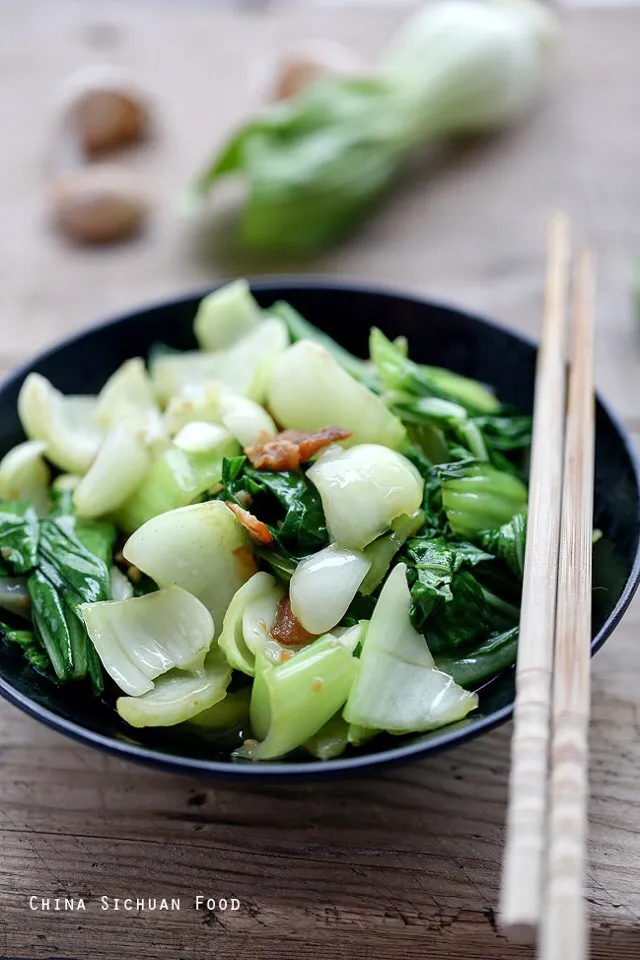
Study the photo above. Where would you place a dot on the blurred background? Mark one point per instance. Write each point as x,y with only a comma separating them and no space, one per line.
87,233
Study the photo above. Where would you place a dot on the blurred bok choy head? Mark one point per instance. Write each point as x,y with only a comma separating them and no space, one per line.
315,163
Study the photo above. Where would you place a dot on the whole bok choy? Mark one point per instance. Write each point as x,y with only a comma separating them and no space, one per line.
316,162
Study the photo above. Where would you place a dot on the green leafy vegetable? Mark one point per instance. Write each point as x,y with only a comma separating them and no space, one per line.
477,497
486,660
285,500
508,543
400,374
19,533
68,564
31,647
432,565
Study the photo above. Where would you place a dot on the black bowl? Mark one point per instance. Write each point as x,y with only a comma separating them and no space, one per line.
437,335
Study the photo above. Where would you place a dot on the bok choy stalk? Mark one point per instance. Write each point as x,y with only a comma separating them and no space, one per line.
323,586
66,424
308,389
201,548
330,741
116,472
398,687
174,478
381,552
292,701
363,490
226,315
178,696
247,622
24,475
316,162
477,497
242,367
139,639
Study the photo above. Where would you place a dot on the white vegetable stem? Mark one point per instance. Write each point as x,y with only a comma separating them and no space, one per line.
24,475
324,584
178,696
226,315
247,622
243,366
398,687
141,638
115,473
469,66
363,489
67,425
201,547
308,390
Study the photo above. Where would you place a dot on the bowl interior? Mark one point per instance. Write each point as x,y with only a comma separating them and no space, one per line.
437,335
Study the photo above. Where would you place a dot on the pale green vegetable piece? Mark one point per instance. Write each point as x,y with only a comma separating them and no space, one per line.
243,367
323,586
174,479
308,390
291,701
201,437
246,420
129,391
121,586
398,687
227,714
330,741
116,472
363,490
226,315
24,475
382,551
462,67
141,638
178,696
65,482
250,616
201,547
67,425
202,403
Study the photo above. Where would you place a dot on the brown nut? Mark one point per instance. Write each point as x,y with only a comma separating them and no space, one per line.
98,204
314,60
108,119
101,109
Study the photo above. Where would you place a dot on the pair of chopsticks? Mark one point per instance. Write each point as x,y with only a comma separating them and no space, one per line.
542,884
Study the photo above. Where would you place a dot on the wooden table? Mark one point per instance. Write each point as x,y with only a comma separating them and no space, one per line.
397,866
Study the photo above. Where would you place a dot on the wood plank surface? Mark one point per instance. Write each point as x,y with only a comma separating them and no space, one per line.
405,864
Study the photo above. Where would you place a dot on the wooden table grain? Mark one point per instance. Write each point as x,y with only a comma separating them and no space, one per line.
400,865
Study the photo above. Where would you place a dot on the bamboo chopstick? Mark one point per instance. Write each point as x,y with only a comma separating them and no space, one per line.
564,919
522,874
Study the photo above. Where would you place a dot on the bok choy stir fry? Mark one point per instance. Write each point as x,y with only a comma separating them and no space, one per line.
267,541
